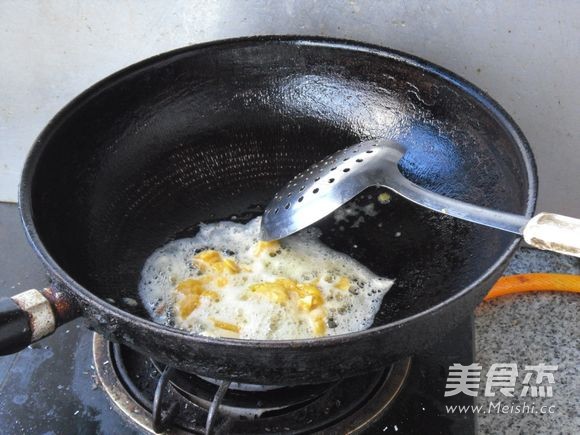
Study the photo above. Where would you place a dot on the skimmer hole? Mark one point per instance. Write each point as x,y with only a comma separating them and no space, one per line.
359,160
301,188
317,178
369,151
331,180
300,199
315,190
276,211
332,169
346,170
287,206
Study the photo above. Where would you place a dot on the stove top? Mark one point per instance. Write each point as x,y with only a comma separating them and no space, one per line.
153,396
76,382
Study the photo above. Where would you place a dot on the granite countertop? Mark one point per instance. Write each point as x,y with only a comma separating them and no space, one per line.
529,329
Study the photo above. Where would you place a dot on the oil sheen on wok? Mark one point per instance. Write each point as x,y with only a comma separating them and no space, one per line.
225,282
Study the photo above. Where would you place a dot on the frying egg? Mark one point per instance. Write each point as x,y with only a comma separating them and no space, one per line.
225,282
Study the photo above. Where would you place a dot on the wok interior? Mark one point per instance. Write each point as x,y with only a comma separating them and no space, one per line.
210,133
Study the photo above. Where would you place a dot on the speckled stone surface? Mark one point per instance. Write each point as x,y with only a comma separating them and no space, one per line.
529,329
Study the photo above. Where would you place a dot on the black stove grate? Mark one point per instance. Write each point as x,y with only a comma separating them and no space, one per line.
192,404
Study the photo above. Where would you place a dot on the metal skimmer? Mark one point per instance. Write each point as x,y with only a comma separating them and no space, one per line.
334,181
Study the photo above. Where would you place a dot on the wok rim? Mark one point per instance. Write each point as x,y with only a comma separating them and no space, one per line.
89,298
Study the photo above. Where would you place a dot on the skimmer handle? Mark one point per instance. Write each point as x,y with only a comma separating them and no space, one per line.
554,232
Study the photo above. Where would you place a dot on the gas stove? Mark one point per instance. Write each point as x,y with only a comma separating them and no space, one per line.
405,397
77,382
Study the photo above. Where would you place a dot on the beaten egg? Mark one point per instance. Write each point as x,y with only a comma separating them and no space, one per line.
225,282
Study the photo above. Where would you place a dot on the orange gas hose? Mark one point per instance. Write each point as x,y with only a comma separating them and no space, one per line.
534,282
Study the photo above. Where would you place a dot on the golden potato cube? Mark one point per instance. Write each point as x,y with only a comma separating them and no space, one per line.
384,198
230,265
209,256
221,281
274,291
319,326
187,305
343,283
190,286
270,246
225,325
306,303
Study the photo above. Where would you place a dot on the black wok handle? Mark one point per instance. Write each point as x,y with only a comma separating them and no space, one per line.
32,315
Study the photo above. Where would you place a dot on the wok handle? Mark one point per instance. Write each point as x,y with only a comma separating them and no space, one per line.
554,232
31,315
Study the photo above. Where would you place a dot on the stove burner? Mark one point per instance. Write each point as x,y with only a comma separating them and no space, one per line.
156,397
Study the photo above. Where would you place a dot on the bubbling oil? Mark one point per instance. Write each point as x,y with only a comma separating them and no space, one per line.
297,288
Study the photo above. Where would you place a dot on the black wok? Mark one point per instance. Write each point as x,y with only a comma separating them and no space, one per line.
212,131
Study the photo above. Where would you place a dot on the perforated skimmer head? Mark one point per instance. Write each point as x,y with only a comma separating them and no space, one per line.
334,181
327,185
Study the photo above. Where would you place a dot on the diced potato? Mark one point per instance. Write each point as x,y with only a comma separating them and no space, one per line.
308,296
306,303
288,284
230,265
384,198
210,294
225,325
270,246
305,290
209,256
214,260
319,326
343,283
274,291
193,291
187,305
190,286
